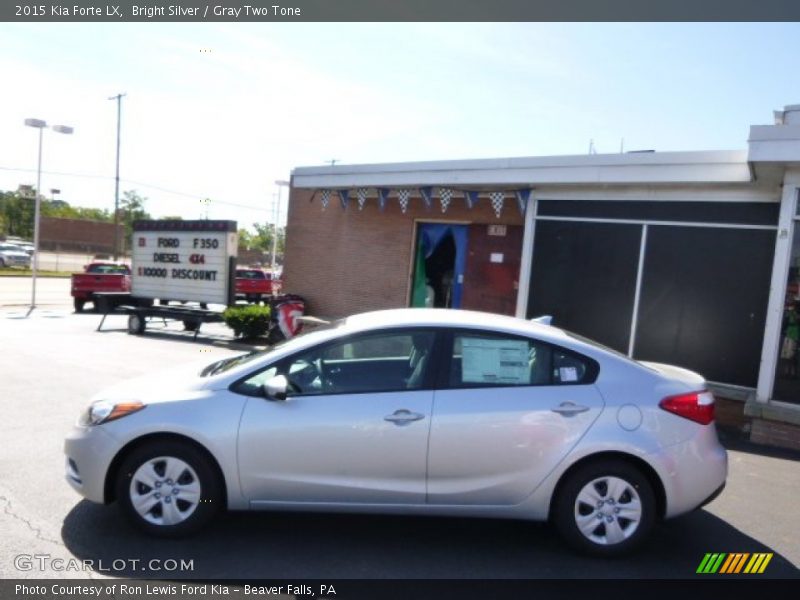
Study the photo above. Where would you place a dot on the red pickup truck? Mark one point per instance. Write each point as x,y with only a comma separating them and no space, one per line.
99,277
256,284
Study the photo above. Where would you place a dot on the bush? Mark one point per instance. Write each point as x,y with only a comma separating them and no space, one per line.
248,321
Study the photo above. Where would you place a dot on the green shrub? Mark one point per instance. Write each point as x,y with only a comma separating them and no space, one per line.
248,321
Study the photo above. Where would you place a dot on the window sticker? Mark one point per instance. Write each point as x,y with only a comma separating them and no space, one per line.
504,362
568,373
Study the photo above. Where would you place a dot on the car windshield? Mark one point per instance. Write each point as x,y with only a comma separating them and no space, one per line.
226,364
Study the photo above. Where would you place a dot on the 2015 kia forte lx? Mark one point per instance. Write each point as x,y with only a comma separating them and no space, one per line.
411,411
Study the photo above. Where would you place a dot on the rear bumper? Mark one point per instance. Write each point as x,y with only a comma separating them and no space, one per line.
693,472
713,496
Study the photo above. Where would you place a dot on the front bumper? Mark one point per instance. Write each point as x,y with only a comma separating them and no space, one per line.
89,452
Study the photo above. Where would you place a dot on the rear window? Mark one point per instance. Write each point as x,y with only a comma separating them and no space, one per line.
109,269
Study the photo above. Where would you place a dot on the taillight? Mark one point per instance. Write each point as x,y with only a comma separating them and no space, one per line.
697,406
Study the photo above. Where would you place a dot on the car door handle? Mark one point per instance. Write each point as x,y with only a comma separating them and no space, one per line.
403,417
569,408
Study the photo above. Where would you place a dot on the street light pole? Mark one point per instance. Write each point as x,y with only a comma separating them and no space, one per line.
276,213
118,98
40,125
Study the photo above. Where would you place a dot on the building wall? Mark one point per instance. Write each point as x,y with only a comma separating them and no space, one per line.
77,235
345,262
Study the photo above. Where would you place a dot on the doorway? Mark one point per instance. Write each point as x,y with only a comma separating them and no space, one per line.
440,260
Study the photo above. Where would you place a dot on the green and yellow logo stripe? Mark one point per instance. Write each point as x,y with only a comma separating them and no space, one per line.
734,562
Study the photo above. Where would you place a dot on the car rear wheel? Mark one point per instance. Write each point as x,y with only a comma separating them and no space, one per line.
168,489
606,508
78,304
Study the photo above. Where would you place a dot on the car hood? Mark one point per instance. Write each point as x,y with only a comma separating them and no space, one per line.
178,383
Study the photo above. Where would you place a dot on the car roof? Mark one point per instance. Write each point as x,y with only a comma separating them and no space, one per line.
441,317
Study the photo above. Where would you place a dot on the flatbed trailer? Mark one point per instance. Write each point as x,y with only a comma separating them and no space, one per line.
139,315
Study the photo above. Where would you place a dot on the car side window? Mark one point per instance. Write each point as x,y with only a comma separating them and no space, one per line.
499,360
382,362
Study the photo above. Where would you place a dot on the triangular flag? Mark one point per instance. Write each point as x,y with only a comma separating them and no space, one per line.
383,196
362,197
445,196
497,199
471,199
344,197
404,196
522,199
326,198
427,196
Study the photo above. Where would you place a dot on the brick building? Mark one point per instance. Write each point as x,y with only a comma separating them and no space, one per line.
79,235
689,258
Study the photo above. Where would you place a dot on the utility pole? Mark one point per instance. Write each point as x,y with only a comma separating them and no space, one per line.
118,98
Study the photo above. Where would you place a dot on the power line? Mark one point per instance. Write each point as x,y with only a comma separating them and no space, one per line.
138,183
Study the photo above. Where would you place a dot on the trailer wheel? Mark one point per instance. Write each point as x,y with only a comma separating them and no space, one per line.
136,324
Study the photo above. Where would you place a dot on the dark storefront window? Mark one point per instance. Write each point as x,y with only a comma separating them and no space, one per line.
703,291
704,300
787,374
584,276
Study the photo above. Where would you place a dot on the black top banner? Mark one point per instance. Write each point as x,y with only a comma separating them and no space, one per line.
397,10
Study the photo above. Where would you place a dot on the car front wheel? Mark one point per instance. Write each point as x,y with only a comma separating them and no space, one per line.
606,508
168,489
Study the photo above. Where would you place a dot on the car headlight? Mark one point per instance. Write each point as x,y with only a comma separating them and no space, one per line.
104,411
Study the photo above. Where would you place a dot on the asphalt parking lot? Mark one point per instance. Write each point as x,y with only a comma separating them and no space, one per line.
54,360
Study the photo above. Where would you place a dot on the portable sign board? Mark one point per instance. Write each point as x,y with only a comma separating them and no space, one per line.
184,260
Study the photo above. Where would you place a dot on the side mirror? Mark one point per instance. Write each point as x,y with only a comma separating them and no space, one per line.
275,388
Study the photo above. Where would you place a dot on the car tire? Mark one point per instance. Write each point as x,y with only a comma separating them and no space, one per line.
605,508
169,489
191,324
78,304
136,324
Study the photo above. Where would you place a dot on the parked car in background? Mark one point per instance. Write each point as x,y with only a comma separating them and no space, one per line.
24,244
12,255
27,247
255,285
411,411
99,277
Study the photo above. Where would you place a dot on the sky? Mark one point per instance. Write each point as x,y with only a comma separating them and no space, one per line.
223,111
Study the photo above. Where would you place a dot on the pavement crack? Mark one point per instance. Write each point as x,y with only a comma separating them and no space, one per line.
8,509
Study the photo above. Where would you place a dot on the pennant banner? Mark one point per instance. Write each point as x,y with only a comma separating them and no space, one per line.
362,197
326,198
497,198
471,199
523,196
383,196
404,196
344,197
427,196
445,196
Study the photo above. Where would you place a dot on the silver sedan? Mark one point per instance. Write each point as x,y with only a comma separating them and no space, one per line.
411,411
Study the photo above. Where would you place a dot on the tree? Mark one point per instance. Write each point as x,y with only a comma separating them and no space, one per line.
16,214
132,209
